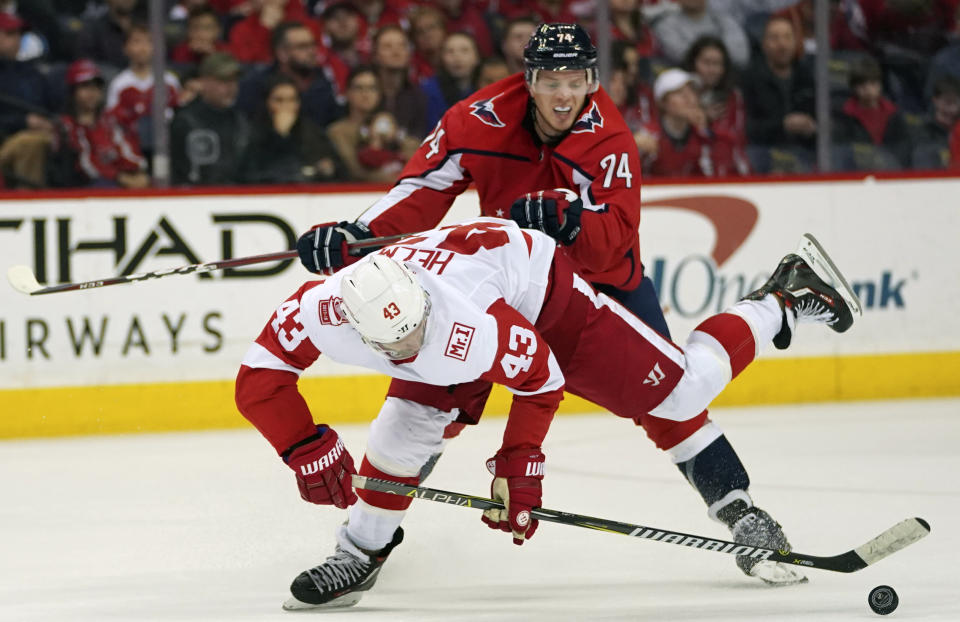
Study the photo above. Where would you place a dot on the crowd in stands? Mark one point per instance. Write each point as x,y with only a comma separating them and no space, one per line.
296,91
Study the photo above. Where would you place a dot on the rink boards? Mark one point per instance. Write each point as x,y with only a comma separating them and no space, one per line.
161,355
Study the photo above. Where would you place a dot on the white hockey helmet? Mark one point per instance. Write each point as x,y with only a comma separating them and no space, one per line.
385,304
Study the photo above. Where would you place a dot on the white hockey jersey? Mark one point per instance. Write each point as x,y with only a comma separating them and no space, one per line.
486,279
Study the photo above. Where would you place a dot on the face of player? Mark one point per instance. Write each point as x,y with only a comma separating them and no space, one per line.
405,348
558,97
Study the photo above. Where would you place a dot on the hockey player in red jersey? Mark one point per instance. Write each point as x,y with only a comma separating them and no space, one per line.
488,301
549,150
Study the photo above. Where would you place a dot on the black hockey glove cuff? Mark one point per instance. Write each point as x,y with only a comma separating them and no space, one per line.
325,248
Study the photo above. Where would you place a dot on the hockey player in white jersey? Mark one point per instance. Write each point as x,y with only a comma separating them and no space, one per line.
485,301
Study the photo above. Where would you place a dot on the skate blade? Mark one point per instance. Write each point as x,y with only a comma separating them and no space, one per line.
775,573
347,600
814,254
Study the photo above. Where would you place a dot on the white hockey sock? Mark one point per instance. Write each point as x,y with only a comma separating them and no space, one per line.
371,527
764,317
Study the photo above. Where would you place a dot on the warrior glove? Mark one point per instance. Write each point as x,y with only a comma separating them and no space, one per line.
517,474
555,212
325,248
323,467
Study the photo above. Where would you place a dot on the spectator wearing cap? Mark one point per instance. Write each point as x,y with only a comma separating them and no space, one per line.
102,38
286,147
297,54
678,142
102,152
25,127
130,93
344,34
778,91
401,96
677,31
251,38
869,118
209,135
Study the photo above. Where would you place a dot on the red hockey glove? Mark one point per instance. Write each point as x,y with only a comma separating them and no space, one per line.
323,467
324,249
517,474
555,212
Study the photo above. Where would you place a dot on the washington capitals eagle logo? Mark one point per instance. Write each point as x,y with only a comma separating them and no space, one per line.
589,121
483,110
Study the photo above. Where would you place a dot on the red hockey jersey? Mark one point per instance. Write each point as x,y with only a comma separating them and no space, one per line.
487,139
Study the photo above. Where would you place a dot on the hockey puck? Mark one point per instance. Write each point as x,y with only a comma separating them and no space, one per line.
883,600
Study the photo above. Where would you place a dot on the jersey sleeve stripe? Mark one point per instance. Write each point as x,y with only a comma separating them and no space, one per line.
446,174
259,357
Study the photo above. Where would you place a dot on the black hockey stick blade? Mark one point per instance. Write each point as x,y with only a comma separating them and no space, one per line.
23,280
898,537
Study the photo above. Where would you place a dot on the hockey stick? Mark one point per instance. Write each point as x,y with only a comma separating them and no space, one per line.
898,537
23,280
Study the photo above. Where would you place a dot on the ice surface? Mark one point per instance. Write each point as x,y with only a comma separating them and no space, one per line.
209,526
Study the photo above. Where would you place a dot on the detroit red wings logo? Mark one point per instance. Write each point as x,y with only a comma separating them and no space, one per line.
589,122
483,110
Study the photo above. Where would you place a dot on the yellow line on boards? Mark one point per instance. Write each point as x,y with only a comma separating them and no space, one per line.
114,409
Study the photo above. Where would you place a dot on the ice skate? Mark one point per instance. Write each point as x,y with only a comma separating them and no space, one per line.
810,288
751,525
341,580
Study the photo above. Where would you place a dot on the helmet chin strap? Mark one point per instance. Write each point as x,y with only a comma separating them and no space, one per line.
542,128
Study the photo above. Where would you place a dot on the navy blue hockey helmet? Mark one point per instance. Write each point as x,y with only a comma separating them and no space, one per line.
560,47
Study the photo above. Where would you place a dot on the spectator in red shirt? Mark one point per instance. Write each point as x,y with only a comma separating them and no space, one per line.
204,36
516,33
679,141
379,13
106,155
130,94
722,102
955,147
869,118
545,11
628,24
468,17
428,29
344,34
250,38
